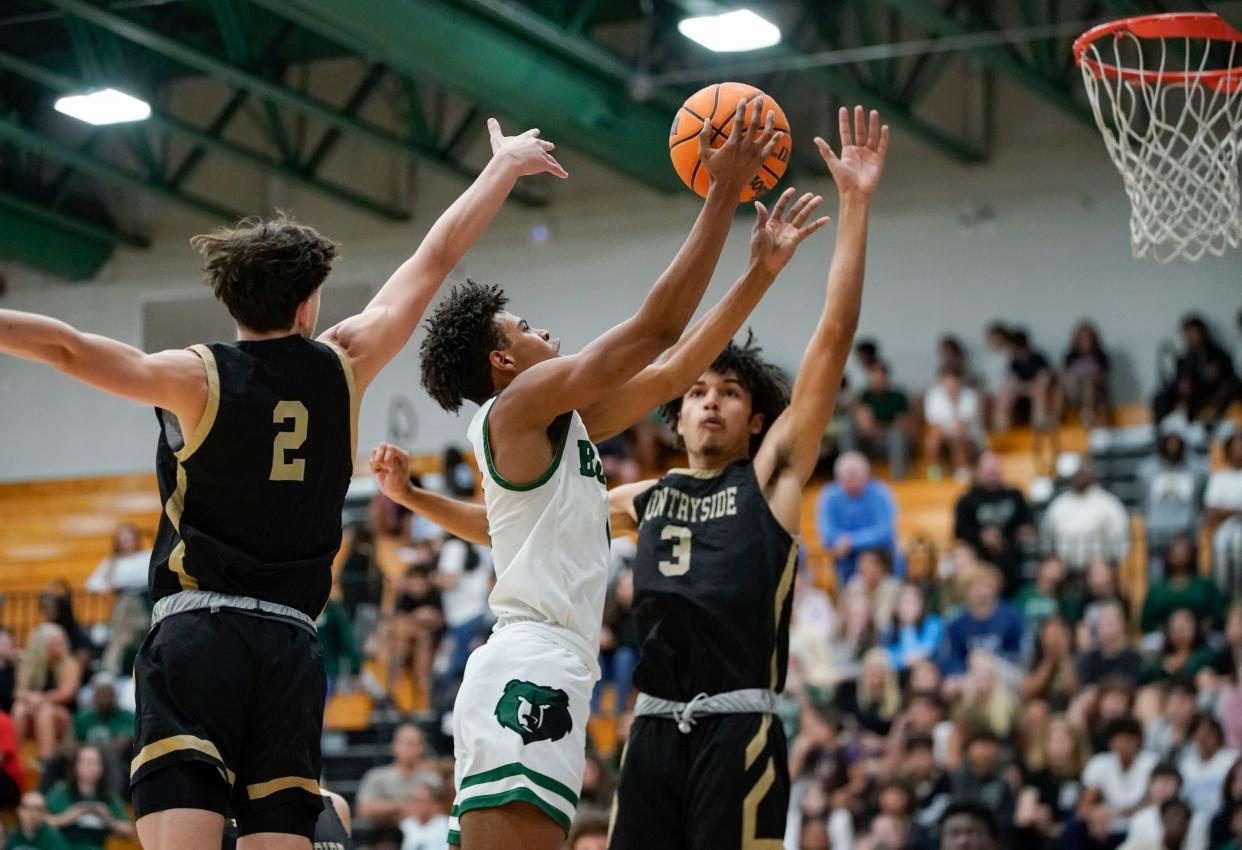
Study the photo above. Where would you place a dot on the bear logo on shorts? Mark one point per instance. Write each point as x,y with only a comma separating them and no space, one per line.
535,712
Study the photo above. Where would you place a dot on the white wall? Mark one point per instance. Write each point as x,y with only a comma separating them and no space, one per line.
1057,250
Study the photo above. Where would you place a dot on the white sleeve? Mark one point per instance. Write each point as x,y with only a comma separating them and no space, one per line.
452,557
936,409
1213,496
969,405
1092,774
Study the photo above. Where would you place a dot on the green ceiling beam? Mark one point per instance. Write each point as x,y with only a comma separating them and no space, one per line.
62,219
31,140
239,153
489,64
267,89
932,18
50,241
899,115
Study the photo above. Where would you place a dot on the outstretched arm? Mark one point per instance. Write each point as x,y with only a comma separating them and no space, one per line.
773,242
622,515
545,391
467,520
173,380
374,336
787,457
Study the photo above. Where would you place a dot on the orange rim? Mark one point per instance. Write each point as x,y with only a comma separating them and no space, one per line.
1200,25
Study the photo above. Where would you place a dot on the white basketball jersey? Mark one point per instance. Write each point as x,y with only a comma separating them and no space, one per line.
550,537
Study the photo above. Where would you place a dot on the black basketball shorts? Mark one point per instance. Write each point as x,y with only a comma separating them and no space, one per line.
242,693
723,786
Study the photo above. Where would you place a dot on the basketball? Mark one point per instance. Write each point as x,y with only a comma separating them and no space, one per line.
718,104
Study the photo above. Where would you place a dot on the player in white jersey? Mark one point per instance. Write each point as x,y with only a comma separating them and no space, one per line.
520,716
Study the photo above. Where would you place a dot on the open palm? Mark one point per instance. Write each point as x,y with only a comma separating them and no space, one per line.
776,237
857,170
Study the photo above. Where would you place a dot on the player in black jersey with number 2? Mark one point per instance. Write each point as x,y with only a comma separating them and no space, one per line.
256,449
706,766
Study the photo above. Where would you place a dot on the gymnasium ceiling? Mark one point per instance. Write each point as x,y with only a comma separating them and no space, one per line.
410,79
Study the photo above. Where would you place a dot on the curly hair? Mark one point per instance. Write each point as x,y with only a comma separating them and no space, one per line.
263,269
461,335
766,384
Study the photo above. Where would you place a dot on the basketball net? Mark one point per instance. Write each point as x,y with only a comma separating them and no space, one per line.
1167,95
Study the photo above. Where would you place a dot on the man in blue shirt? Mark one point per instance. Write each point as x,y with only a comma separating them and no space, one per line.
854,513
985,624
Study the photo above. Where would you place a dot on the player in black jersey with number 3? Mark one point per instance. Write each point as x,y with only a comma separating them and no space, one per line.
256,449
706,766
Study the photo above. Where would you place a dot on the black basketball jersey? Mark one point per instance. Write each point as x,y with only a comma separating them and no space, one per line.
253,498
713,581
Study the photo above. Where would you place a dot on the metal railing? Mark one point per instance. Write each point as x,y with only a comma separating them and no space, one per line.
21,611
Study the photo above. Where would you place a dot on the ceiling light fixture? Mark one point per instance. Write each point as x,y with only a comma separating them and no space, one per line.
107,106
731,32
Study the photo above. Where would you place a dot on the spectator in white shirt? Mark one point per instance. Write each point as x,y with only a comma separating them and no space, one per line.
1205,764
464,576
124,573
426,827
1086,522
954,418
1147,827
1118,779
1223,501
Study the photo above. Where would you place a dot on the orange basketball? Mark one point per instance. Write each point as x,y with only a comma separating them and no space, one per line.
718,104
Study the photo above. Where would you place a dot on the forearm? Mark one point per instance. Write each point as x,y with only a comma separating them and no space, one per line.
37,338
467,520
707,337
681,364
676,295
843,301
468,217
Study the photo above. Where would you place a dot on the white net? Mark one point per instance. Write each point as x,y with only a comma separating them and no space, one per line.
1170,110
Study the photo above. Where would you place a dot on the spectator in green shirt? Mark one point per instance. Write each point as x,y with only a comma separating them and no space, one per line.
84,808
341,655
106,725
1041,599
33,831
1184,653
881,425
1182,587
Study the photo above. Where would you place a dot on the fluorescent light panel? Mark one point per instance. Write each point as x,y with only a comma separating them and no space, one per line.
731,32
107,106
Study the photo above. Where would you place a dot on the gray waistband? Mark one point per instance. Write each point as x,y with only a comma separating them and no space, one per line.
749,701
197,600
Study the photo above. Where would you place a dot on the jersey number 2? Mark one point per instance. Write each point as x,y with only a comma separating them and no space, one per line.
286,441
680,565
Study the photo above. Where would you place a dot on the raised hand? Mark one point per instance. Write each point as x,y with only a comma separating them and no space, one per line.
391,466
736,162
527,152
857,170
776,237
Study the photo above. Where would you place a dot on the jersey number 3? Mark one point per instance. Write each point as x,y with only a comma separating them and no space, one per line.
287,441
680,565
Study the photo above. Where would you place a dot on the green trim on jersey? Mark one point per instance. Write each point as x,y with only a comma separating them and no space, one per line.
547,473
524,795
454,838
519,769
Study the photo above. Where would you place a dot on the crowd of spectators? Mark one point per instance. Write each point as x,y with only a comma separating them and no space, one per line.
1004,692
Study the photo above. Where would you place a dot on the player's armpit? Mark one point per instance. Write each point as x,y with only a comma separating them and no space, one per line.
623,515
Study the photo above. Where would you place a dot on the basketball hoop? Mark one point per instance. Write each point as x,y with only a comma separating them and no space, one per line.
1167,95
